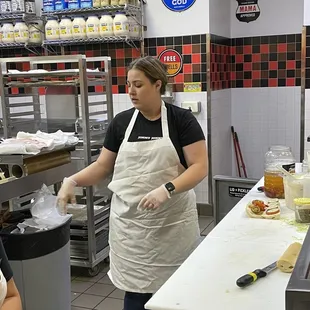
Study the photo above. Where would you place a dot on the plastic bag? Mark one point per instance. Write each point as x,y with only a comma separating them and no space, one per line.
45,212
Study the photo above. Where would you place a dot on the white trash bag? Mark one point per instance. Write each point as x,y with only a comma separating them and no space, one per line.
45,212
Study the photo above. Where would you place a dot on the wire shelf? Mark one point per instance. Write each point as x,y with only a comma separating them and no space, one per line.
27,17
117,39
109,8
16,45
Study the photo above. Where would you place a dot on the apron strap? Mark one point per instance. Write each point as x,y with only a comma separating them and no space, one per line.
131,124
164,122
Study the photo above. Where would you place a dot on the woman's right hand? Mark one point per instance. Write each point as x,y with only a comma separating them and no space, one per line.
66,193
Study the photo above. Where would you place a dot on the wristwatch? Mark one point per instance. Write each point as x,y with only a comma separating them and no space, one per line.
170,188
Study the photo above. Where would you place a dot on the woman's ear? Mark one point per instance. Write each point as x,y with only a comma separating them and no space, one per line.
158,84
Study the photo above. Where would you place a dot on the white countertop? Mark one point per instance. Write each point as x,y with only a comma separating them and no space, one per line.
236,246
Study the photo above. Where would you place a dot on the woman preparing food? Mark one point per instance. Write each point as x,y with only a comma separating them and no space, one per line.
157,153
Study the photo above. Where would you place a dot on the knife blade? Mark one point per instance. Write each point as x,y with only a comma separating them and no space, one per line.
251,277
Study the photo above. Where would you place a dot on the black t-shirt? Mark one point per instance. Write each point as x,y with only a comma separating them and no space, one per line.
4,264
184,129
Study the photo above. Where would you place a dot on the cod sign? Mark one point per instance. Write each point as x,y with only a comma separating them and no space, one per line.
178,5
247,11
173,60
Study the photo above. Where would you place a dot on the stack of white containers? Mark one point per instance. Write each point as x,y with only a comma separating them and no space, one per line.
93,27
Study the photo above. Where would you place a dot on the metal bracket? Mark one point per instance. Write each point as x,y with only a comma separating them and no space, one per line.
50,49
33,49
132,44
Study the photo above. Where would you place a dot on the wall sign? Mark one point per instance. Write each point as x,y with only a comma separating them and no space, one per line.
178,5
238,192
247,10
173,60
192,87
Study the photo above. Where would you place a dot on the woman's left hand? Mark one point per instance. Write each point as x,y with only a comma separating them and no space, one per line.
154,199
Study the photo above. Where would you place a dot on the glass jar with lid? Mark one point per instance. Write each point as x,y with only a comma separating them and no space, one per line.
278,155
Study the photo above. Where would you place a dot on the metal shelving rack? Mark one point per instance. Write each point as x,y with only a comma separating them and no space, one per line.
89,245
135,11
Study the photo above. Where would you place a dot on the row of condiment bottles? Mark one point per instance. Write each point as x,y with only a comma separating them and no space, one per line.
56,5
94,27
20,33
17,6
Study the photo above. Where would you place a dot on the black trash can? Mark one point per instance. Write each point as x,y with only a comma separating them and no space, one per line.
40,261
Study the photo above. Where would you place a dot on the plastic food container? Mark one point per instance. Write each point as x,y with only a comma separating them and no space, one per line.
52,29
65,27
293,188
277,155
106,25
35,33
21,32
79,28
8,33
302,210
120,24
92,27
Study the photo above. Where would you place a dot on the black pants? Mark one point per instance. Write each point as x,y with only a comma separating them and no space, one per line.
135,301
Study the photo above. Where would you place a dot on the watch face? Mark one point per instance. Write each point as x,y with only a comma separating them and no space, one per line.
170,187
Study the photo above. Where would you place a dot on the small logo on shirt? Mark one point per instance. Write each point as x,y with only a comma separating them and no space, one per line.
144,138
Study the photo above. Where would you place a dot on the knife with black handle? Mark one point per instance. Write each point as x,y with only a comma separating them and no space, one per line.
251,277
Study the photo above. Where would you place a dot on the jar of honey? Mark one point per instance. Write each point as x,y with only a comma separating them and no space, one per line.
277,155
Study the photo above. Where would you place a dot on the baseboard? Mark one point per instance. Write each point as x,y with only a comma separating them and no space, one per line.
205,209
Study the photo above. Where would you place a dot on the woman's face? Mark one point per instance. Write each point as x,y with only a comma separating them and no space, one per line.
142,92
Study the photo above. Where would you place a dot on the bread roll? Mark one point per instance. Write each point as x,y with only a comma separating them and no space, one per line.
287,261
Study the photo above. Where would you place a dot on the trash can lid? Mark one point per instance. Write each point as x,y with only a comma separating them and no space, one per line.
34,244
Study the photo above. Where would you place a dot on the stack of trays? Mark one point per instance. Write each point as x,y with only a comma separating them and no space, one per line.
79,229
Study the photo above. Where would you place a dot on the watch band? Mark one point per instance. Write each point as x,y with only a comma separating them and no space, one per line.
170,188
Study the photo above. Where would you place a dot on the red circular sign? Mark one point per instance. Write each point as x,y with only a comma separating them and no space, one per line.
173,60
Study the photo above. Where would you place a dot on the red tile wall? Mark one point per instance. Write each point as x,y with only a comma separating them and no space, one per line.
268,61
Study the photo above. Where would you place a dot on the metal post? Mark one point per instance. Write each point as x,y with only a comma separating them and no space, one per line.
108,86
36,101
303,93
142,47
5,120
87,159
209,129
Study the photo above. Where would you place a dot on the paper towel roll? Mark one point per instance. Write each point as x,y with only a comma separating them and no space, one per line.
287,261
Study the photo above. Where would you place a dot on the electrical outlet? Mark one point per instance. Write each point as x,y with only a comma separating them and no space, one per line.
194,106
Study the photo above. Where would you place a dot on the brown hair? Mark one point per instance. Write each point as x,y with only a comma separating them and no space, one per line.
153,69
